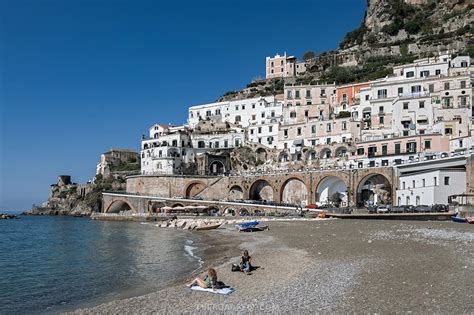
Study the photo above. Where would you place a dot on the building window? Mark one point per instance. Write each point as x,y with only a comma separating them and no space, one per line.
421,104
288,94
435,181
201,145
259,129
431,88
293,114
328,127
384,149
405,105
251,131
343,125
226,143
308,93
380,109
270,128
313,129
397,148
403,185
360,151
298,131
446,180
236,107
381,120
416,89
263,115
306,113
208,113
423,182
437,71
297,94
410,74
427,144
413,184
254,117
446,85
238,119
216,144
463,84
382,93
285,132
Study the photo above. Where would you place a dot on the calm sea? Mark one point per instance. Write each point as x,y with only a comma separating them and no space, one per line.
50,264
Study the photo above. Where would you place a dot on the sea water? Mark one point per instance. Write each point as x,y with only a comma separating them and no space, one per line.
51,264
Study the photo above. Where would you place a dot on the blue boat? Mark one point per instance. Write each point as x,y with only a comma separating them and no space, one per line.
248,224
460,220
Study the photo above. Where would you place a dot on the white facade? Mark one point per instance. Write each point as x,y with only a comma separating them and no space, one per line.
430,187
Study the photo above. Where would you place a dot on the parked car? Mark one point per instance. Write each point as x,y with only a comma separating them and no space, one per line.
422,208
397,209
372,209
382,209
440,208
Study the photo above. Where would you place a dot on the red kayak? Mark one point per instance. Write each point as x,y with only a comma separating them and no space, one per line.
470,220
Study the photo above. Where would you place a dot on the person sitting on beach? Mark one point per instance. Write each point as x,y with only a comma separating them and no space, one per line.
245,265
210,282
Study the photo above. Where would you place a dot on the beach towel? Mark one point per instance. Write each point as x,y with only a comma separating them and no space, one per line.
223,291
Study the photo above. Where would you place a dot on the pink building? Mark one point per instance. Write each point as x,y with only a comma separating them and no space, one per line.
280,66
427,143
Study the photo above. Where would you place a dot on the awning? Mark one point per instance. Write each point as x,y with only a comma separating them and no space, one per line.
422,118
298,142
406,118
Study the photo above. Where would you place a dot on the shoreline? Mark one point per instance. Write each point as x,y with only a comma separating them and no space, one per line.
328,266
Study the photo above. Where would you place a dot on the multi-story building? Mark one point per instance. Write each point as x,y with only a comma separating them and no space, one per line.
283,66
421,110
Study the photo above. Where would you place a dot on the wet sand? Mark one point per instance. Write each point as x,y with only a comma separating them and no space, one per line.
330,266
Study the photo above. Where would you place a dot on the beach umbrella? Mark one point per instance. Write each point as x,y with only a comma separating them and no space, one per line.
166,208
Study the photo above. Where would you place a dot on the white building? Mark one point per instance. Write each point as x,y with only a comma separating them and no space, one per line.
430,187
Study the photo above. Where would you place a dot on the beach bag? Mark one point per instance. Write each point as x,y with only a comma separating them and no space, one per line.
235,267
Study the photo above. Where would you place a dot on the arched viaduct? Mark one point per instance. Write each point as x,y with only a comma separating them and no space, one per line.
349,186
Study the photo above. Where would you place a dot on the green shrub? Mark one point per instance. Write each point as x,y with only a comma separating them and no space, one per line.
343,114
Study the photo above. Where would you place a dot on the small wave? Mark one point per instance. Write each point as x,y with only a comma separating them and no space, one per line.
189,250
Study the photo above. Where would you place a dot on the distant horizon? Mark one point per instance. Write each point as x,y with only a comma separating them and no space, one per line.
81,78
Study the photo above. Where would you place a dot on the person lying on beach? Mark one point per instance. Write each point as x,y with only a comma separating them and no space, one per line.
245,265
210,282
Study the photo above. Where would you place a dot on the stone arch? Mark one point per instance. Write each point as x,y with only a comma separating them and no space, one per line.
194,188
374,188
216,168
174,205
325,153
283,157
236,192
311,155
261,190
328,187
341,151
294,191
119,205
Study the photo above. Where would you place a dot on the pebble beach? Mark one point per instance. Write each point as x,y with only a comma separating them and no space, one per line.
328,266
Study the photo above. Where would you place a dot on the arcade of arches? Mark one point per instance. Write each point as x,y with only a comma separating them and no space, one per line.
337,188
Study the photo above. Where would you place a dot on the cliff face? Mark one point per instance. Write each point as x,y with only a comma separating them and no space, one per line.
427,21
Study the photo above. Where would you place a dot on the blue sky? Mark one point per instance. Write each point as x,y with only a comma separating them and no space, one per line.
79,77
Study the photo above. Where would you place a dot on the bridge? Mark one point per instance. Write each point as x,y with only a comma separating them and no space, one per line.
146,193
115,202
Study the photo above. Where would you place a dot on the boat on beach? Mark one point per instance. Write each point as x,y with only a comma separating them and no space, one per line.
459,220
470,220
208,227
